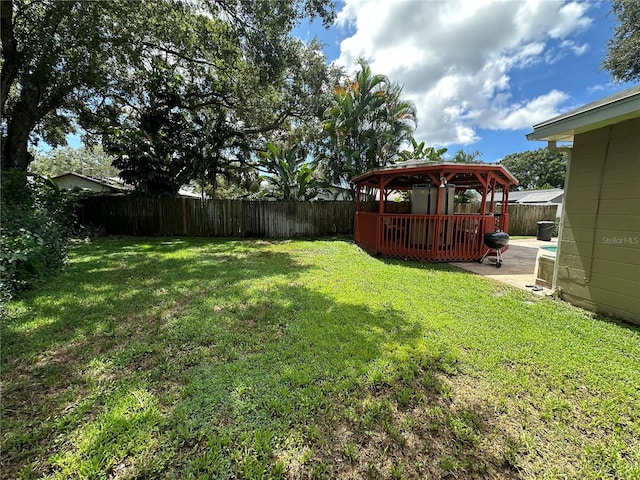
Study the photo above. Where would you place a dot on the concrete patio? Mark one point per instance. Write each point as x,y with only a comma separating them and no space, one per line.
518,267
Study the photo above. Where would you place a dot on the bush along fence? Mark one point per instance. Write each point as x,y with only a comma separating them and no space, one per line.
241,218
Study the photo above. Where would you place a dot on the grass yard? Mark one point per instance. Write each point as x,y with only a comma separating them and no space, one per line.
209,358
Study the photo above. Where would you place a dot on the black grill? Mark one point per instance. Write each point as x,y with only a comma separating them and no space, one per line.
496,241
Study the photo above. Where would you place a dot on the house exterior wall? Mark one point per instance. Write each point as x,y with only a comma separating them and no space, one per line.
599,252
69,182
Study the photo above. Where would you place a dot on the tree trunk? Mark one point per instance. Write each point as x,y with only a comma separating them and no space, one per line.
15,153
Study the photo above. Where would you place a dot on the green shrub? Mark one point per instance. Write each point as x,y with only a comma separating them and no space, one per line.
35,224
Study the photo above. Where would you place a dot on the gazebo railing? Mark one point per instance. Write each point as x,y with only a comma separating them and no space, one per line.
366,230
443,238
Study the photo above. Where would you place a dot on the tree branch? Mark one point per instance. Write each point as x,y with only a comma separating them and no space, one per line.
178,54
11,57
270,126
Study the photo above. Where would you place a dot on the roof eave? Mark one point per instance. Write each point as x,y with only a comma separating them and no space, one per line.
564,127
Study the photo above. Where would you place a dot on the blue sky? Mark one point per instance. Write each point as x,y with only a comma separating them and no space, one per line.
481,73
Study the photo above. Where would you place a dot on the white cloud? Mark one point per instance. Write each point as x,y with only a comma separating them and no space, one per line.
597,88
456,58
516,116
571,17
574,47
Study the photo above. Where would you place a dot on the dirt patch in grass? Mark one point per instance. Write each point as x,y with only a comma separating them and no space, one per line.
454,428
441,428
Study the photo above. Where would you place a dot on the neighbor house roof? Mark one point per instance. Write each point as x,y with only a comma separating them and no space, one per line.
73,180
616,108
538,197
551,195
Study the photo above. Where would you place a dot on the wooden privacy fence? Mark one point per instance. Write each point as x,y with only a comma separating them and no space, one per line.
241,218
216,218
523,219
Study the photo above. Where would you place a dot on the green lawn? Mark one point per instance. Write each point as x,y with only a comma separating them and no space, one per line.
208,358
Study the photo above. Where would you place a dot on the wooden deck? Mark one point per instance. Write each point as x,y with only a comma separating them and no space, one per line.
435,238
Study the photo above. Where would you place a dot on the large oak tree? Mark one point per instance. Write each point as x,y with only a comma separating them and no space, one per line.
623,53
71,61
180,125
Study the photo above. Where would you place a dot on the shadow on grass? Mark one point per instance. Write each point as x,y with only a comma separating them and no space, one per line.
102,293
211,357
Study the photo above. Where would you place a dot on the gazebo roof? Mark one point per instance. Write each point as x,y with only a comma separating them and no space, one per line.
402,176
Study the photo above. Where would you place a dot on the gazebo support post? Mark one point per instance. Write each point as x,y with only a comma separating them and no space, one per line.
382,185
384,181
493,191
439,201
485,186
504,218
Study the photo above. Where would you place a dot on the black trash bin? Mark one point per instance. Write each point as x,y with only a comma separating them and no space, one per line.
545,230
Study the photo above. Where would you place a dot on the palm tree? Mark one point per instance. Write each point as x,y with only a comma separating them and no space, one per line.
399,116
367,123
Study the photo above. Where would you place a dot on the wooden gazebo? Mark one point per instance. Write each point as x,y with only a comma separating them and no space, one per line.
428,228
